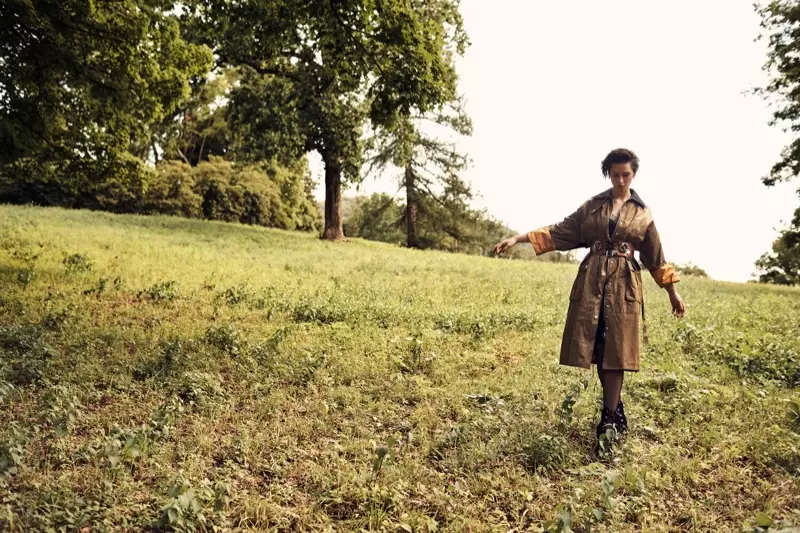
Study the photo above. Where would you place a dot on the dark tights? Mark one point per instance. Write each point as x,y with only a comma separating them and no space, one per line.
611,380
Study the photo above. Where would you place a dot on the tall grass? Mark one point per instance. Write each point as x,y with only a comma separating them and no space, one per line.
171,374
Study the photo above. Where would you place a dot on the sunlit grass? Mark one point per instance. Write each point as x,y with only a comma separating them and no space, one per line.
170,373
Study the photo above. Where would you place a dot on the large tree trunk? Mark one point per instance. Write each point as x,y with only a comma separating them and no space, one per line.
412,209
333,200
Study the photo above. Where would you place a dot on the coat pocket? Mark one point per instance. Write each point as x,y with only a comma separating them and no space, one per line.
580,283
633,284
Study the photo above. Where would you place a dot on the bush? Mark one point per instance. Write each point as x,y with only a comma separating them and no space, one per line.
690,269
265,194
544,452
171,192
111,183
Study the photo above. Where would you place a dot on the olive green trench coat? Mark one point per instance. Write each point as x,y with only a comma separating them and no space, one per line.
613,284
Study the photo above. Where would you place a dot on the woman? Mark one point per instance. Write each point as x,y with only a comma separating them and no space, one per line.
606,299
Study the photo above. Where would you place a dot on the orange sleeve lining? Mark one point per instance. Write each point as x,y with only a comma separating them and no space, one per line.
665,275
541,240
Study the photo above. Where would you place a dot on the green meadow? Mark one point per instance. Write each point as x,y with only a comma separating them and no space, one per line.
166,374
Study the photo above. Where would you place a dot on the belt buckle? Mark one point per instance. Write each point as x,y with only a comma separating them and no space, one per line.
625,248
597,246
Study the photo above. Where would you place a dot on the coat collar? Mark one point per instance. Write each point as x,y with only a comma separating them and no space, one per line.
607,195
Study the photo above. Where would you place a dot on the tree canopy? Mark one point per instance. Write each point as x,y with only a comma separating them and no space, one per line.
315,73
780,21
429,167
131,105
80,83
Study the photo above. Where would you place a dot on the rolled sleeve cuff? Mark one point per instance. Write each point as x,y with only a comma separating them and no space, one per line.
665,275
541,240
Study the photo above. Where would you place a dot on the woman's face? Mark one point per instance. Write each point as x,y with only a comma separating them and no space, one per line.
621,176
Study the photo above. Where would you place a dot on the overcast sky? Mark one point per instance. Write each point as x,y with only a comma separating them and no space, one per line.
553,86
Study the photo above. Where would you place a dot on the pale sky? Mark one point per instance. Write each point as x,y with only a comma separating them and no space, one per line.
553,86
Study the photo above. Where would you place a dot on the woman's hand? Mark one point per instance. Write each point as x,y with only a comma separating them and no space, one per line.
678,307
504,245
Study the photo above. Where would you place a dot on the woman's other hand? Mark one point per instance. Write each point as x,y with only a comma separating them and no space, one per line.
678,307
504,245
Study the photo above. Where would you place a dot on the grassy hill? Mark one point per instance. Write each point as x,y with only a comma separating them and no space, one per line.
170,373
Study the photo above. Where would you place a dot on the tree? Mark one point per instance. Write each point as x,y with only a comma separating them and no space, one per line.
376,218
780,21
781,265
429,166
314,73
80,82
198,129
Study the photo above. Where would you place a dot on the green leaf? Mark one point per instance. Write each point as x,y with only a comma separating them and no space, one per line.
565,520
185,499
376,465
763,520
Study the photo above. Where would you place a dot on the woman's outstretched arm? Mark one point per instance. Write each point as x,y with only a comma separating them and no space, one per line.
566,235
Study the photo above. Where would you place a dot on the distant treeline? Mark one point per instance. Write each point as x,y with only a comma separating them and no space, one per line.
380,217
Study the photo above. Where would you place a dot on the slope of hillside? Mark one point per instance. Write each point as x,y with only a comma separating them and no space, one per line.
177,374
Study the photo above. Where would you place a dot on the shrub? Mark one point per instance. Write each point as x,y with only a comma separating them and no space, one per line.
171,192
264,194
77,263
690,269
165,291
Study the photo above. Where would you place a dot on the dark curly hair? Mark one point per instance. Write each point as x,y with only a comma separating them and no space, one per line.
620,155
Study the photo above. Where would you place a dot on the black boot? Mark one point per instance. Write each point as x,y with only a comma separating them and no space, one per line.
607,419
608,432
622,420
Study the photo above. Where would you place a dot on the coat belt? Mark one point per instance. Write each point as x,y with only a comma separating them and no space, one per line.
612,249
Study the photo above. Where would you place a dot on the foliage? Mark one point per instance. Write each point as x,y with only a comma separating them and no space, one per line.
265,194
117,188
292,385
782,265
429,169
452,227
376,218
198,129
81,82
690,269
314,73
779,20
779,25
